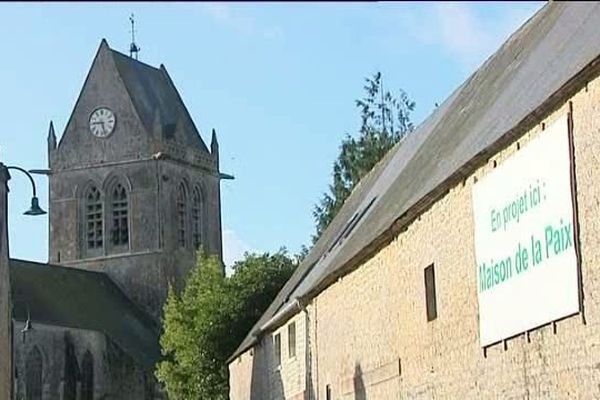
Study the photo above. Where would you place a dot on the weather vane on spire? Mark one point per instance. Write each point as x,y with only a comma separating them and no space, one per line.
133,48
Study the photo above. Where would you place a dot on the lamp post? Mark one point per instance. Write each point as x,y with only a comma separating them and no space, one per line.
7,372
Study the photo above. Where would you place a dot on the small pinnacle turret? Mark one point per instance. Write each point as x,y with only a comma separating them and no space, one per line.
214,146
51,137
51,143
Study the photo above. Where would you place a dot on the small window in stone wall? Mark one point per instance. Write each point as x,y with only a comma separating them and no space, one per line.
120,223
328,392
430,296
93,218
292,339
277,349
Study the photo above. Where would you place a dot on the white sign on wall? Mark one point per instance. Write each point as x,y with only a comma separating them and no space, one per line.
524,239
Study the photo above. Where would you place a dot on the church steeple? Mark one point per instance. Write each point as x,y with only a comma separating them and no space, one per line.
128,151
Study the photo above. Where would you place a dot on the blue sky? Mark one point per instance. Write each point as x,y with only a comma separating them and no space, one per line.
276,80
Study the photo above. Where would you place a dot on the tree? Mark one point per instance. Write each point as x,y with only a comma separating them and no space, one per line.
385,120
203,326
192,327
254,284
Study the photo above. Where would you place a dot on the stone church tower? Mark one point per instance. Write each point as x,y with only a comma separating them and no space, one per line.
134,190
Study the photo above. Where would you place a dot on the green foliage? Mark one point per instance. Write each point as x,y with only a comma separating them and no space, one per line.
204,325
193,324
385,120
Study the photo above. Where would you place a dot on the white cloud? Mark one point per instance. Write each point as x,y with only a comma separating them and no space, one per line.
462,32
233,249
232,17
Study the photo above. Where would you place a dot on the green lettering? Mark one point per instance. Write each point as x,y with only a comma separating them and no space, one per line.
548,234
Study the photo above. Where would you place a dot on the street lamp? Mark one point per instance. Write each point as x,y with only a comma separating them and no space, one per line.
35,208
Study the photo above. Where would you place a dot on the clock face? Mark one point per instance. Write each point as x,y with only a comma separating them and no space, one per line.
102,122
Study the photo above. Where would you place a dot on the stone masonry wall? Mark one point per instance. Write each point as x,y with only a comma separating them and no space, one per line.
374,340
116,375
262,377
369,334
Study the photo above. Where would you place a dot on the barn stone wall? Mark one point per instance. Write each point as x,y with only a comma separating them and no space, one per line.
369,334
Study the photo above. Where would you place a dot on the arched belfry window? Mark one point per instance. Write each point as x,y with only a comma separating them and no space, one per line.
197,218
181,204
33,375
93,218
87,377
119,219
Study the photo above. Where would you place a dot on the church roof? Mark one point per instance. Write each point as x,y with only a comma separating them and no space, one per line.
155,97
537,68
76,298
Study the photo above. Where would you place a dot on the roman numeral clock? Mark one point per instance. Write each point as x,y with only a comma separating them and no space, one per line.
102,122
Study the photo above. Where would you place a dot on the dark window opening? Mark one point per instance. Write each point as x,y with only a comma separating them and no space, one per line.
328,392
120,216
93,218
71,372
430,296
277,346
292,340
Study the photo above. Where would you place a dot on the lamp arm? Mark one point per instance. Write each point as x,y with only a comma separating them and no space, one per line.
28,175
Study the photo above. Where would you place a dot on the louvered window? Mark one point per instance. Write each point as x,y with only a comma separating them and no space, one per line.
120,222
93,218
197,218
181,215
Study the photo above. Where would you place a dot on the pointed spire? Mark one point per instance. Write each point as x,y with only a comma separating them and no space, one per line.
214,146
104,44
51,137
134,49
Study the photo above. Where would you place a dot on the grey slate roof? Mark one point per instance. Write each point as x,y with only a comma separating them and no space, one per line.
523,80
155,97
82,299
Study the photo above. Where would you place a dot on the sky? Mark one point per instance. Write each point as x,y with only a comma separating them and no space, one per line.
277,81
